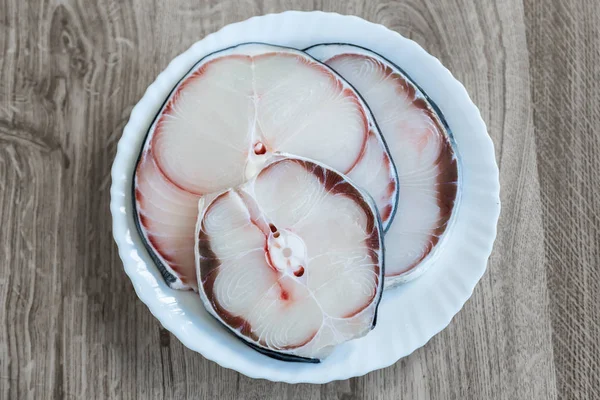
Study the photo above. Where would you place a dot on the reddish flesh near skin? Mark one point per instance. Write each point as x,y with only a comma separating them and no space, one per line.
418,143
376,174
199,147
335,297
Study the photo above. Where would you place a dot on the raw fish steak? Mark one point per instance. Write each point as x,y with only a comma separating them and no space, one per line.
230,114
419,143
291,261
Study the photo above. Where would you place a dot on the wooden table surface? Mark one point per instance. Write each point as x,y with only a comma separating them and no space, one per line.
71,325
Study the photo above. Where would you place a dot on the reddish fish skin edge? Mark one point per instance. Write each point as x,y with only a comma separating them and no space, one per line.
447,163
209,267
447,179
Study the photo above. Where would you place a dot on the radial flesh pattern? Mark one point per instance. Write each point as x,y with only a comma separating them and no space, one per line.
420,146
232,112
167,216
291,261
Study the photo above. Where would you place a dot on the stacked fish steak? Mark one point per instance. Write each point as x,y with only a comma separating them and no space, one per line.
272,178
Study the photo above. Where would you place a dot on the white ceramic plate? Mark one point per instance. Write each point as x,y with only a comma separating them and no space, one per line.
408,315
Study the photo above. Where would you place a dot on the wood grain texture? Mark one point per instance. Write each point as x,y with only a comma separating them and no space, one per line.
71,325
564,43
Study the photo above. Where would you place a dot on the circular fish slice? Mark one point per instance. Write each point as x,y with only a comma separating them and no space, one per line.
420,145
227,118
291,261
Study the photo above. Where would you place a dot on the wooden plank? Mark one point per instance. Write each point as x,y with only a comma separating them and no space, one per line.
563,38
71,325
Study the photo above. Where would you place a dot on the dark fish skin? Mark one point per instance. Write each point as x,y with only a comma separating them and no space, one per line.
282,356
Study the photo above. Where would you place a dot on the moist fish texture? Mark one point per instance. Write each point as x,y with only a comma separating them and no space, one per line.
227,118
420,145
291,261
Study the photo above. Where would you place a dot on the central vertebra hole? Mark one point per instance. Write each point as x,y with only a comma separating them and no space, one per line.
259,149
287,252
